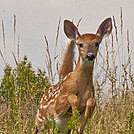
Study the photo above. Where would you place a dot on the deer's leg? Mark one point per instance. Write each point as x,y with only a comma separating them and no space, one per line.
88,112
40,122
74,102
35,130
37,125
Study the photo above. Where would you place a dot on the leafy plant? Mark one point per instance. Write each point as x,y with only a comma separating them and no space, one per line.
130,121
73,122
21,90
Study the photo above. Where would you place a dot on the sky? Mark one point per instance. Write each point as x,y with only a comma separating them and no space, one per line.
36,18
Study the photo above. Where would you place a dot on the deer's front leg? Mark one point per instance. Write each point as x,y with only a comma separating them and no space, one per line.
88,112
74,102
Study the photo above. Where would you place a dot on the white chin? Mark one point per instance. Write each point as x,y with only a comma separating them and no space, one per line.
86,62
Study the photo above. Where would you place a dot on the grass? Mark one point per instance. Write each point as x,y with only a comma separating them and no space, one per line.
21,87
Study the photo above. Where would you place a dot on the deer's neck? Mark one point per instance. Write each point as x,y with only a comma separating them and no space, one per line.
84,70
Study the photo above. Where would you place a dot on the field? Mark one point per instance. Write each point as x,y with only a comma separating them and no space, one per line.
21,88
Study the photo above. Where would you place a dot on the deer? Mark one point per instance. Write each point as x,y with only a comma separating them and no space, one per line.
75,88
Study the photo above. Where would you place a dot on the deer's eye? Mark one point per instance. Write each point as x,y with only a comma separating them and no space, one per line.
97,44
81,45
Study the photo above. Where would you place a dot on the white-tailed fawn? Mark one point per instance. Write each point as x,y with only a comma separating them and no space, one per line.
75,89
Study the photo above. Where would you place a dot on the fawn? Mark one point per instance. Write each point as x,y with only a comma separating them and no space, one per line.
75,89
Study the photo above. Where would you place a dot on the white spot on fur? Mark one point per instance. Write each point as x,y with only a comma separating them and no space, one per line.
50,102
54,89
41,106
40,119
43,118
45,97
65,78
51,93
44,107
41,100
58,91
38,116
56,95
38,113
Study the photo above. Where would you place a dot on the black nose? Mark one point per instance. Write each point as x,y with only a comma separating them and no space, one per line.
90,56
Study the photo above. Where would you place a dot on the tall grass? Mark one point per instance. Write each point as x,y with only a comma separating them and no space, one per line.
113,80
21,88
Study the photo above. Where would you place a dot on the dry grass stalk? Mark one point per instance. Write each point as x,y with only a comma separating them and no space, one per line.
79,22
14,33
115,26
4,42
2,57
57,36
52,68
15,58
48,61
18,52
56,64
121,19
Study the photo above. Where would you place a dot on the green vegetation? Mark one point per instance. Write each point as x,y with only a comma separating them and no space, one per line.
21,90
74,121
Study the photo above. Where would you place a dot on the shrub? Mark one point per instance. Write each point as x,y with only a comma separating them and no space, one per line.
21,90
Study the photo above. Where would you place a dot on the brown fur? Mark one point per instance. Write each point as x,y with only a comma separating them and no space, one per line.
68,60
75,89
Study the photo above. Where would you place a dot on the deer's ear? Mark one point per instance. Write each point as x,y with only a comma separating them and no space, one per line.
105,28
70,30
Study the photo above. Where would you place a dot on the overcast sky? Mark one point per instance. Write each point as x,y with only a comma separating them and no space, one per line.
36,18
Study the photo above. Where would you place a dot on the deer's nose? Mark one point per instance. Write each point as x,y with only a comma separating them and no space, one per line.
90,56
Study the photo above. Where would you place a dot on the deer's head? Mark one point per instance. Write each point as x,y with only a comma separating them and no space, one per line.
88,44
